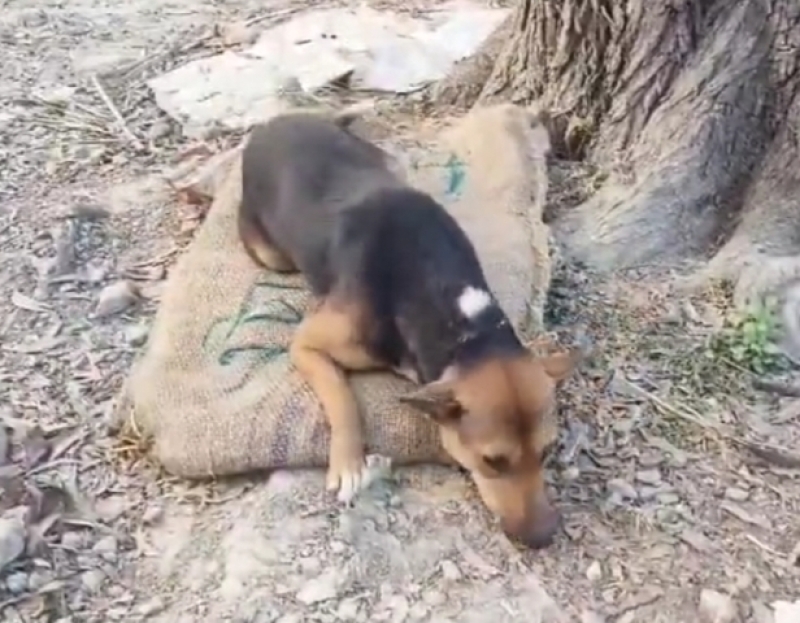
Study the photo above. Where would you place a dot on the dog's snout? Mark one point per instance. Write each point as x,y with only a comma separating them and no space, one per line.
538,531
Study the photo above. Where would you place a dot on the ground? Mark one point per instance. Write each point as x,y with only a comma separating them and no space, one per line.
664,492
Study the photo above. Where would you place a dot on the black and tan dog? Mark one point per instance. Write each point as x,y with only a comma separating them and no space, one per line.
399,286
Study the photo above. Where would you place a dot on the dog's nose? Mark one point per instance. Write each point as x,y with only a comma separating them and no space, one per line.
538,531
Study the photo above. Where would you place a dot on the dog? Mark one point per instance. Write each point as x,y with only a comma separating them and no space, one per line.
398,286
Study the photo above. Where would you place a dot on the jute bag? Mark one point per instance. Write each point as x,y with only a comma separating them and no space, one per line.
215,388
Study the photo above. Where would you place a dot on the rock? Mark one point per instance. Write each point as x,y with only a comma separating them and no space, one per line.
321,588
17,583
588,616
594,572
92,580
450,571
761,612
116,298
160,129
622,489
106,548
736,494
237,33
696,540
434,598
152,514
668,498
40,578
111,508
716,607
650,477
73,540
151,607
4,441
571,474
12,540
348,610
136,335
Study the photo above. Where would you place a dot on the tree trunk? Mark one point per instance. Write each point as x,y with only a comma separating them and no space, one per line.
690,109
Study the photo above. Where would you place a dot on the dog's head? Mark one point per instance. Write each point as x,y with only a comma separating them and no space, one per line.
493,422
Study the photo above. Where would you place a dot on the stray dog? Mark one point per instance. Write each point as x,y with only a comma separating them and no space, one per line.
399,286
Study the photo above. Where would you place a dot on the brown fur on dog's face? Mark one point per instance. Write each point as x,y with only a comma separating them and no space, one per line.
493,421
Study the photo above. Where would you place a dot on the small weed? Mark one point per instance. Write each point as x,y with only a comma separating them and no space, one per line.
747,340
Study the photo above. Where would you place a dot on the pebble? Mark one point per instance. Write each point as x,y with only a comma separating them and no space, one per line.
92,580
321,588
160,129
434,598
73,540
151,607
650,477
12,540
594,572
152,514
40,578
716,607
116,298
107,548
450,571
571,474
668,499
136,334
348,610
622,488
736,494
17,583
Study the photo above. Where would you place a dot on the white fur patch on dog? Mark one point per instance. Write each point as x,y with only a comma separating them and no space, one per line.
473,301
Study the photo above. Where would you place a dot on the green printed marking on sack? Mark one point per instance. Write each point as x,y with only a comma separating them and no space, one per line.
276,309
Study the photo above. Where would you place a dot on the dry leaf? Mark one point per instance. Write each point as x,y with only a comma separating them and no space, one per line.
741,514
39,346
25,302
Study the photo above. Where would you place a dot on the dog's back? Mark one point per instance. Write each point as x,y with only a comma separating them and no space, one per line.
299,171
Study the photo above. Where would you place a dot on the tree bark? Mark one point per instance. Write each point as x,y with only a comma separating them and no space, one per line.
690,110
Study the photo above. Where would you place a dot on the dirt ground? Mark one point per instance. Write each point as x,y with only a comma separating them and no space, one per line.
669,510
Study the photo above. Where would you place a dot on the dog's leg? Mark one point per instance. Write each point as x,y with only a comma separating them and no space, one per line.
261,250
325,345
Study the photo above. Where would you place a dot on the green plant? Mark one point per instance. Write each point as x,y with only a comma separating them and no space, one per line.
748,340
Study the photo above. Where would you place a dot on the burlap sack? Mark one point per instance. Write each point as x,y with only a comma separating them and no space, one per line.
215,388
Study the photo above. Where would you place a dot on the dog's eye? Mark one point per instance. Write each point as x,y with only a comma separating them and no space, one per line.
497,463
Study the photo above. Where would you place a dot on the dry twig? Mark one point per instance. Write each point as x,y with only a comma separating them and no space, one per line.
116,113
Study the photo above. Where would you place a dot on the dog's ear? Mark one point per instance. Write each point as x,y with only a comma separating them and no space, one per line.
436,400
559,366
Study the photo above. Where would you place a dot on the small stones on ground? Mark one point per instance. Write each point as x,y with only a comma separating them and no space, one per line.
116,298
736,494
594,572
716,607
12,540
650,477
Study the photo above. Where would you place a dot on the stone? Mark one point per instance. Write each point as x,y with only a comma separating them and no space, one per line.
321,588
348,610
136,334
650,477
736,494
116,298
73,541
450,571
17,583
716,607
622,489
150,607
92,580
152,514
12,540
594,572
106,548
40,578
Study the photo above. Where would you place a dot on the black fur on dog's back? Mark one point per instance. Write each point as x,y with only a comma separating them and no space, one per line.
327,200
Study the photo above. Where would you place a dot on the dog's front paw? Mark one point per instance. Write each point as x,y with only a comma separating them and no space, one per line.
347,470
